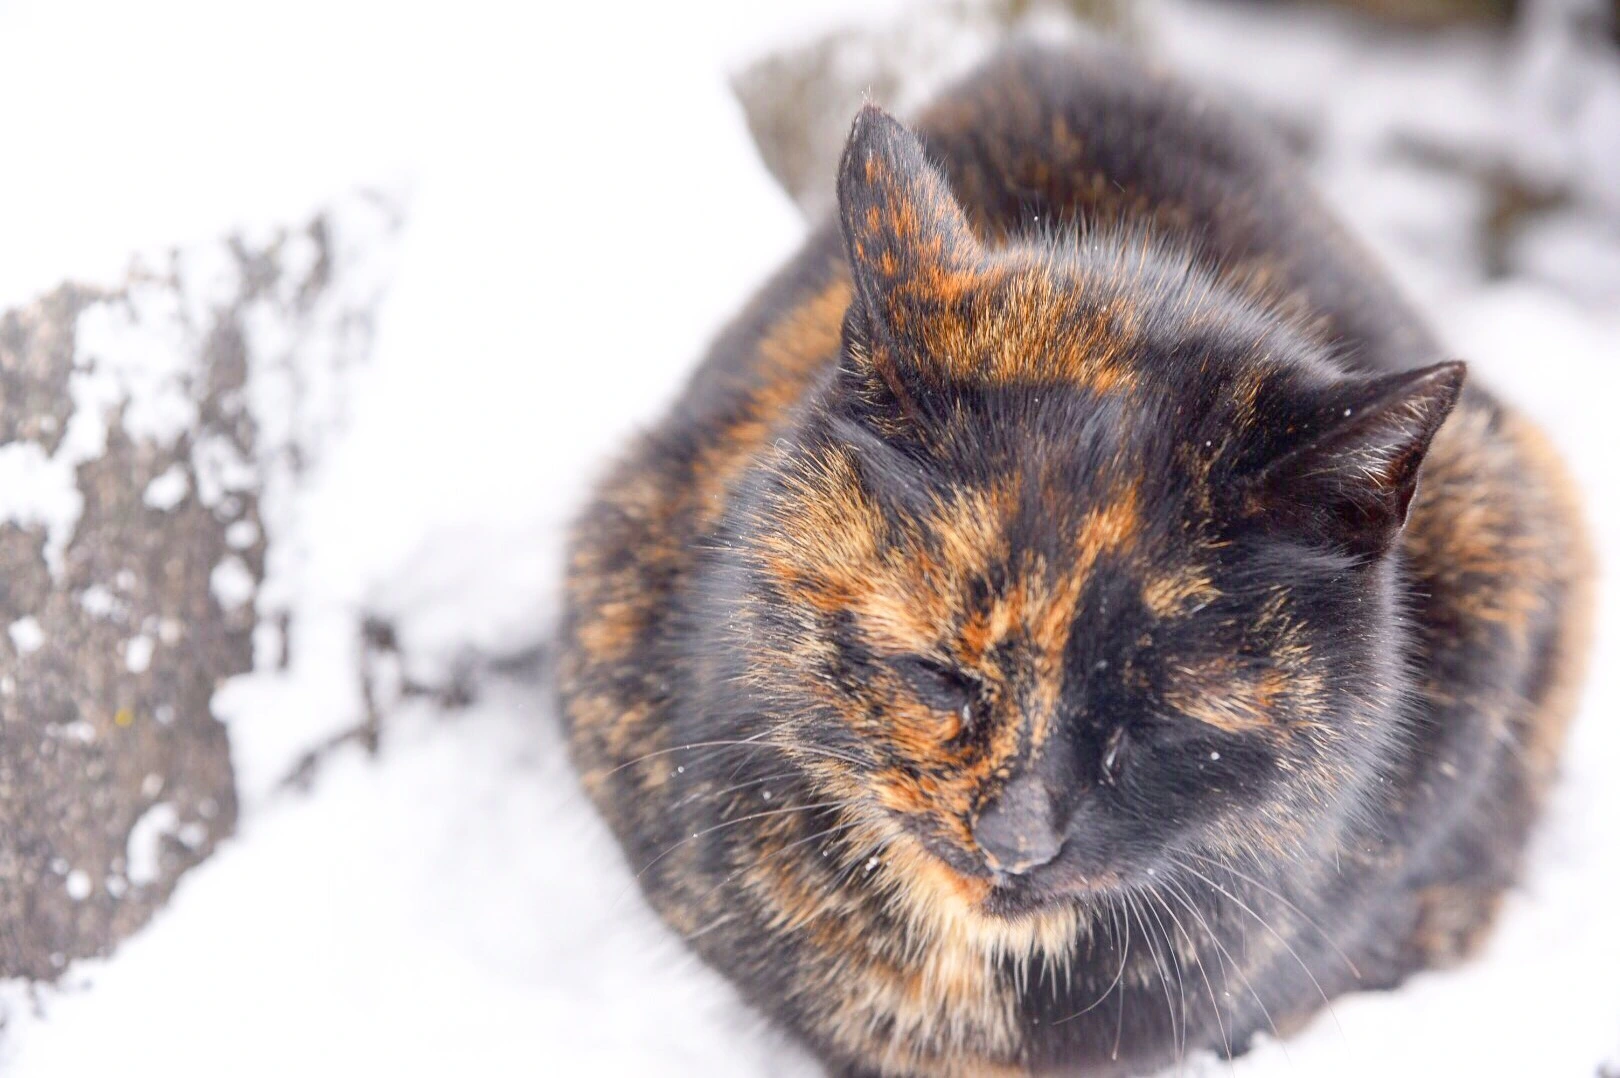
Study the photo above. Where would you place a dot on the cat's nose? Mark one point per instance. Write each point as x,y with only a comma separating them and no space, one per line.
1019,831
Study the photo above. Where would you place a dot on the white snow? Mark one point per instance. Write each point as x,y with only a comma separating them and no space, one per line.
26,635
144,846
586,210
241,534
78,885
98,602
36,489
231,582
167,490
138,653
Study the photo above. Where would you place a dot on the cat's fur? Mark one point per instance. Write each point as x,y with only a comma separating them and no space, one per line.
1015,653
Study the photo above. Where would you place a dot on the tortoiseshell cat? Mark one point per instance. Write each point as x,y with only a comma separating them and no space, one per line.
1071,619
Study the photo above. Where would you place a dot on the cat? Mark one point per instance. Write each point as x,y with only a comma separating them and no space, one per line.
1075,617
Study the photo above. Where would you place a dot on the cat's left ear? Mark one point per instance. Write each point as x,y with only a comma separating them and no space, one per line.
1352,478
911,249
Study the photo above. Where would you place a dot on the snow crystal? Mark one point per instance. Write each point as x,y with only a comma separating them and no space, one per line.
37,490
138,653
297,258
98,602
26,635
231,583
241,534
143,850
268,642
138,351
78,885
220,468
80,730
210,279
167,490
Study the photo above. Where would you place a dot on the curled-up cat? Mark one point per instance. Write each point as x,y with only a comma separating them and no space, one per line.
1075,617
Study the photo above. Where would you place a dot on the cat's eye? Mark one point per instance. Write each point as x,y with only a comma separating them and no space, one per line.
939,687
1113,761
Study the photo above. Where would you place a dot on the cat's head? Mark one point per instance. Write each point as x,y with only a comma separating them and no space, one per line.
1081,565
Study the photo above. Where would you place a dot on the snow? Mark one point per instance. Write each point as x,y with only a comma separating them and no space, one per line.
145,844
574,238
168,490
78,885
242,534
26,635
138,653
35,488
231,582
98,602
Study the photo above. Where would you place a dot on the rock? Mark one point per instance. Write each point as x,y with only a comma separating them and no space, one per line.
1429,14
145,435
799,101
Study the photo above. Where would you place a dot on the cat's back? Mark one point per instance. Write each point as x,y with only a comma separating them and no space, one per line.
1044,138
1087,135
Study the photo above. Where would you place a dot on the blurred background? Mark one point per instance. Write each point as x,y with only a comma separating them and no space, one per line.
317,318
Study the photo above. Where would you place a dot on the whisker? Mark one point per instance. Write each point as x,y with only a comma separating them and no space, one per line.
1275,935
1226,957
769,857
1280,898
1119,1023
818,750
1161,968
1118,975
1181,1051
699,795
757,739
719,826
1209,987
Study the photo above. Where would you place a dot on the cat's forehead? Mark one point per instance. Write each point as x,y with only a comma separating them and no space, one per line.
1027,321
969,567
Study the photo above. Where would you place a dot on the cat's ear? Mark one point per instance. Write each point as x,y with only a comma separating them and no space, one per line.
911,250
1351,478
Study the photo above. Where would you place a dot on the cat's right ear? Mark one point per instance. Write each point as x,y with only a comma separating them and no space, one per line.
1351,477
911,250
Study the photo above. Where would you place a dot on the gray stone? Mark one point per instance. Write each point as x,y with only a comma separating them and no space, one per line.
799,100
132,545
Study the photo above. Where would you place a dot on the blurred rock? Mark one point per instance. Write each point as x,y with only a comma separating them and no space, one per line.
799,101
1431,13
143,433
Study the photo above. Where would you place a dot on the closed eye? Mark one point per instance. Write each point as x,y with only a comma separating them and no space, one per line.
938,687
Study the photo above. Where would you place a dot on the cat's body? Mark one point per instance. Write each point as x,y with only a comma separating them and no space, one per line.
1008,656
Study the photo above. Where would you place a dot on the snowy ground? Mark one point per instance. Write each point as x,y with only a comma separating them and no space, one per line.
586,210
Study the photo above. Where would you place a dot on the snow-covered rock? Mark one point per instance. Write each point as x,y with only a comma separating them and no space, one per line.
145,433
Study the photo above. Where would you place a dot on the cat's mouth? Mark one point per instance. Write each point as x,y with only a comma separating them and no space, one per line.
1056,883
1061,881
